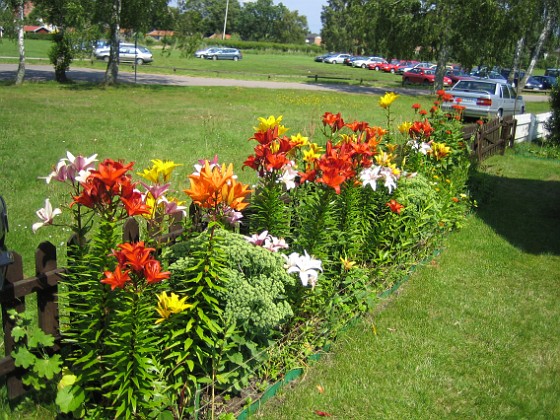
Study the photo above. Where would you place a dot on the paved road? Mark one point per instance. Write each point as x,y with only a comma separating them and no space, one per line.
46,72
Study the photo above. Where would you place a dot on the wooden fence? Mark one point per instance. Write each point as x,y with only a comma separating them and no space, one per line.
490,138
45,285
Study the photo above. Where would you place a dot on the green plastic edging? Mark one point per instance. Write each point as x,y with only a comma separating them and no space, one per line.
270,392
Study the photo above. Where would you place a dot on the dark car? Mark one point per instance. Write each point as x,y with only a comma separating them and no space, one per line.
224,54
320,58
533,84
547,81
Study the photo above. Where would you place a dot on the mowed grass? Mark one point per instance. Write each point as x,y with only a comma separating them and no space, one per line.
472,334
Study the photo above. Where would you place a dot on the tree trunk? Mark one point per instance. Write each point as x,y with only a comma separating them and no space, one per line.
112,72
441,66
516,60
21,45
536,52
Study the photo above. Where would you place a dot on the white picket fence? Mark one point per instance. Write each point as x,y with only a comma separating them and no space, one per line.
531,127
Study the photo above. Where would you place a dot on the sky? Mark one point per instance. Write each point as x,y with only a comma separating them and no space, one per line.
309,8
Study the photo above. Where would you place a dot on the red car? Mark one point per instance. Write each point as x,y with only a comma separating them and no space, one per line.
422,76
390,67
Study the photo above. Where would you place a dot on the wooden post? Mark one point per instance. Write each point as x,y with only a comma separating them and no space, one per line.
47,301
13,275
131,231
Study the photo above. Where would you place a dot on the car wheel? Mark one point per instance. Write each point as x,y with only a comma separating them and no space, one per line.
392,71
215,57
364,66
333,62
139,61
405,81
426,82
106,58
500,114
376,68
235,58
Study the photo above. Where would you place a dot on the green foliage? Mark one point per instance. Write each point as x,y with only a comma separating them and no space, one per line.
32,351
61,55
269,209
553,124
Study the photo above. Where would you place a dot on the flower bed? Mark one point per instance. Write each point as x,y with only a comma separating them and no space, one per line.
262,277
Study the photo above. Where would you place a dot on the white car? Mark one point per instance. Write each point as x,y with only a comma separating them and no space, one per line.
336,58
370,60
483,98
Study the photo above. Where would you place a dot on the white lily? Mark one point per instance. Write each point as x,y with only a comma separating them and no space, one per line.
46,214
307,267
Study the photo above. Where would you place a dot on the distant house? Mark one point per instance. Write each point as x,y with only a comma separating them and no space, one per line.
43,29
313,39
158,35
219,36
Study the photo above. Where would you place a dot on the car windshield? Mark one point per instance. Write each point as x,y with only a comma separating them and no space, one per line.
475,86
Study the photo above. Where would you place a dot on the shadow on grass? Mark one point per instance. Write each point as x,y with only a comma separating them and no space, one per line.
525,212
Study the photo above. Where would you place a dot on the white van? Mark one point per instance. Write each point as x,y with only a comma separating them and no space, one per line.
127,53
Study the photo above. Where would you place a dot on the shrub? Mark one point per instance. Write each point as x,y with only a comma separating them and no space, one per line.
553,124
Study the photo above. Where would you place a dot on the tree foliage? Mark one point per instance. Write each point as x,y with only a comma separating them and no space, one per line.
478,32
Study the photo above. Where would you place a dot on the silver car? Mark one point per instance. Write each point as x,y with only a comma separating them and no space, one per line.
484,98
127,53
336,58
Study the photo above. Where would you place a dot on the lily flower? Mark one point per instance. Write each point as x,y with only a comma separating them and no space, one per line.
171,304
274,244
46,214
257,238
307,267
289,175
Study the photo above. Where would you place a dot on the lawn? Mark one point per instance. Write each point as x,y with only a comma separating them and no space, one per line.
473,333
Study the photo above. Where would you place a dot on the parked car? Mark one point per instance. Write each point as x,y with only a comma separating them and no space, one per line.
547,81
485,98
533,83
320,58
491,75
421,76
391,67
202,53
348,61
224,54
417,65
552,72
127,53
336,58
456,75
405,65
364,63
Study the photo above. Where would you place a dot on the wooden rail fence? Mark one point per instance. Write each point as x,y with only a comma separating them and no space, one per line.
490,138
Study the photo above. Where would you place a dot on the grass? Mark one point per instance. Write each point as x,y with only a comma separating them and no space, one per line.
473,333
